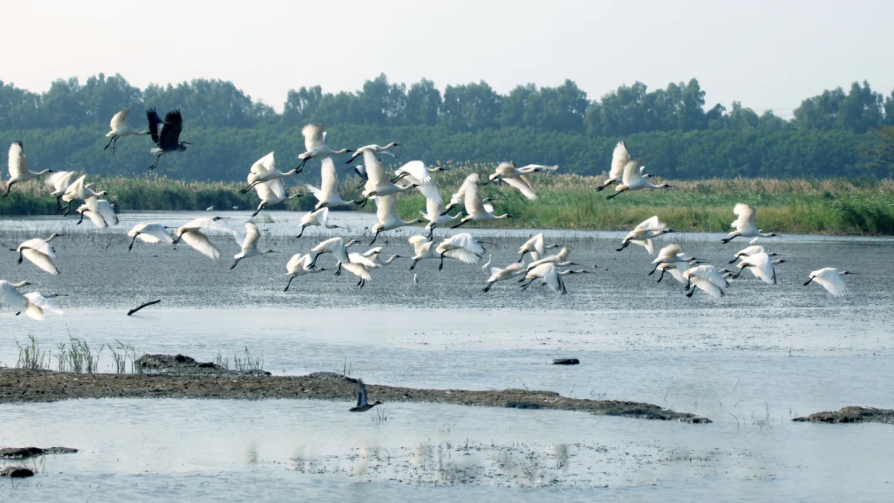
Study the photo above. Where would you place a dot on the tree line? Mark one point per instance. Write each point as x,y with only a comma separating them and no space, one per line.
669,128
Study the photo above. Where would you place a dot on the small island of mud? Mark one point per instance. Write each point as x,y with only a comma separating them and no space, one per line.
182,377
852,414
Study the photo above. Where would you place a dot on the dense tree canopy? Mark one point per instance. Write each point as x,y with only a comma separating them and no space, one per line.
671,128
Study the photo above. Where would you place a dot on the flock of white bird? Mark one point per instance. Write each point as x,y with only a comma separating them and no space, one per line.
268,183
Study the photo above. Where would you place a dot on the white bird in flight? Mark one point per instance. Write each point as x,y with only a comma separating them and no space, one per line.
620,158
386,212
761,265
830,279
315,145
249,244
635,179
518,177
40,253
375,149
644,233
378,183
299,265
475,208
336,246
191,233
535,245
80,191
18,167
17,302
149,233
120,127
744,224
462,247
103,216
706,278
264,170
59,182
327,195
510,271
318,218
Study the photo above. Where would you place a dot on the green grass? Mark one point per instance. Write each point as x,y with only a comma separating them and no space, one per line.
823,206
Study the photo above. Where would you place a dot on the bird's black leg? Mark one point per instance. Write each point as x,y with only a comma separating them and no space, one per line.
338,270
260,207
58,204
691,292
314,261
653,270
235,264
526,285
413,265
460,224
109,143
289,283
727,240
375,237
616,194
441,265
155,164
8,186
132,241
81,219
661,277
20,257
487,288
625,244
302,231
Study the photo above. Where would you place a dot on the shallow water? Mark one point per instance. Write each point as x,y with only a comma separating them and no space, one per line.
750,362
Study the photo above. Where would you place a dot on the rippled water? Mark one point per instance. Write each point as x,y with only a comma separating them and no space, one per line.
750,362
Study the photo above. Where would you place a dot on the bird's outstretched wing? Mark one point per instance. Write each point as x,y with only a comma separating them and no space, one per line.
119,120
170,133
154,122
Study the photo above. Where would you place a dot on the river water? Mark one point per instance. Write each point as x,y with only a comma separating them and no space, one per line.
750,362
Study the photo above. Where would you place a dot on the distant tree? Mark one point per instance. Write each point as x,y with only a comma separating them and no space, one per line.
470,107
19,109
382,104
423,103
301,105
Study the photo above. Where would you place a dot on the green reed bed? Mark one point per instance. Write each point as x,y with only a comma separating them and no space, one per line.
825,206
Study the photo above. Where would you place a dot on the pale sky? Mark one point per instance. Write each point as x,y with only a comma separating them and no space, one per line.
767,54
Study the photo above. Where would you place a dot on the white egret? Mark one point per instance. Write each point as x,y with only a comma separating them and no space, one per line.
386,212
80,191
249,244
165,134
39,253
620,158
18,167
272,193
264,170
417,174
120,127
327,195
744,224
378,184
149,233
634,179
751,250
672,254
830,279
103,216
518,177
487,264
549,274
318,218
375,149
16,301
644,233
315,144
374,255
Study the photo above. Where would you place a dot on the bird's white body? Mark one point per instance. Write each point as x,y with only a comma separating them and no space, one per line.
249,243
634,179
103,216
81,191
462,247
706,278
744,225
416,173
519,177
476,210
336,246
40,253
315,143
558,258
318,218
386,213
59,182
374,256
510,271
644,233
192,234
672,254
830,279
17,302
377,183
673,270
18,167
264,170
299,265
620,158
375,149
761,266
436,214
535,246
550,275
327,195
270,193
120,127
150,233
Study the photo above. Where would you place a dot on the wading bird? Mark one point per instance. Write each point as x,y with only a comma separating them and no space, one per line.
299,265
644,233
374,256
558,258
104,215
744,225
327,195
634,179
315,144
534,245
360,393
475,208
18,167
747,252
672,254
149,233
264,170
378,184
336,246
549,275
272,193
620,158
39,253
165,134
17,302
359,270
510,271
436,215
462,247
318,218
375,149
673,270
830,279
59,182
191,233
518,177
760,265
386,212
120,127
249,244
417,174
79,191
706,278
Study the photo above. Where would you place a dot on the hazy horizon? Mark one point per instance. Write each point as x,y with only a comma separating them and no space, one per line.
766,55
